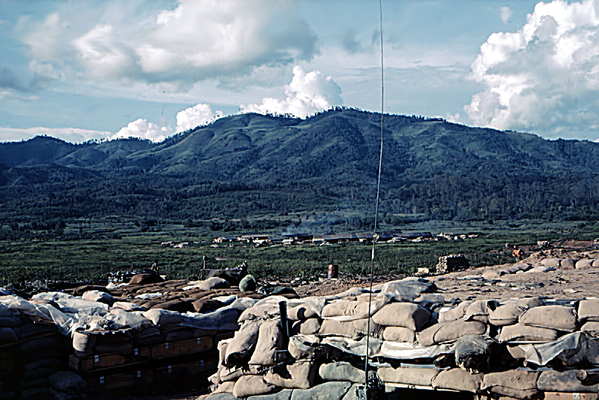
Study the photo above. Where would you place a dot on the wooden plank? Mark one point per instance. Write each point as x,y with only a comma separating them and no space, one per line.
182,347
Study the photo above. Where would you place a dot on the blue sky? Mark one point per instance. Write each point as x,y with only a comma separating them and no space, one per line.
106,69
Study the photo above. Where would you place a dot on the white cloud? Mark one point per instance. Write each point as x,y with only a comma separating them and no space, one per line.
505,14
195,41
73,135
141,128
545,77
200,114
6,94
308,92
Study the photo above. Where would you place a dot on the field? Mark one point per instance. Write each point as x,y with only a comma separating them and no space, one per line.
86,253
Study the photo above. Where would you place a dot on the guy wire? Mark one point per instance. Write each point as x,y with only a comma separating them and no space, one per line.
376,208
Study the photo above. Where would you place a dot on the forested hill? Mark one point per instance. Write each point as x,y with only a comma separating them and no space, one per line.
254,164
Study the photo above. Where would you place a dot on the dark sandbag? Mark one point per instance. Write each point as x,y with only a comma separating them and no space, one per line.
12,321
516,383
458,379
206,305
248,284
563,381
180,306
145,279
324,391
163,317
472,353
8,335
38,344
31,330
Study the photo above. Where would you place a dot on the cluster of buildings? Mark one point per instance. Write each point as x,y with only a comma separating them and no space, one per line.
308,238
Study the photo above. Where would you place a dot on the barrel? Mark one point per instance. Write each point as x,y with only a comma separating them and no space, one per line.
333,271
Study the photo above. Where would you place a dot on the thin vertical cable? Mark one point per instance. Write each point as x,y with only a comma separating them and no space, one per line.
376,209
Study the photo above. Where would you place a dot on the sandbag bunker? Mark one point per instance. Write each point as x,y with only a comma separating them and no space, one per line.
136,337
526,348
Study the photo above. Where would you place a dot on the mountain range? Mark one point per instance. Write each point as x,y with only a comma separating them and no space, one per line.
250,164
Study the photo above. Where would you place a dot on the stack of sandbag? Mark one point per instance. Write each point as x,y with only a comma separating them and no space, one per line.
31,349
514,348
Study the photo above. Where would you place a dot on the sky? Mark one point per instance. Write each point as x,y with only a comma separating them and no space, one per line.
150,69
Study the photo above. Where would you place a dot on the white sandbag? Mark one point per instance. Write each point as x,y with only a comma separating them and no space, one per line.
592,327
560,318
399,334
213,283
341,371
252,385
269,344
225,387
83,343
299,375
407,315
584,264
300,347
408,375
324,391
264,311
242,345
163,317
127,306
588,310
97,295
301,313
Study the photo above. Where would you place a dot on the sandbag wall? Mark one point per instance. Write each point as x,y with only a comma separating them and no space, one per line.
518,348
30,352
160,332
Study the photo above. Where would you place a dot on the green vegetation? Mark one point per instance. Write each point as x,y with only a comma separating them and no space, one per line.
88,259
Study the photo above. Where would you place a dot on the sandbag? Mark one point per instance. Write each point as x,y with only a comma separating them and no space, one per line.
341,371
345,308
550,262
261,311
145,279
163,317
324,391
458,379
592,327
350,329
399,334
455,313
472,353
213,283
225,387
284,394
97,295
479,310
8,335
588,310
252,385
449,331
269,344
563,381
247,284
567,263
178,305
506,314
584,264
299,375
408,376
516,383
407,315
560,318
525,333
300,349
242,345
311,326
300,313
206,305
67,382
11,321
526,302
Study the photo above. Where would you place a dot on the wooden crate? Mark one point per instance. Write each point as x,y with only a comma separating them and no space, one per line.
182,347
120,380
100,361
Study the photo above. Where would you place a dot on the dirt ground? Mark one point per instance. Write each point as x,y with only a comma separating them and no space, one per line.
470,284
